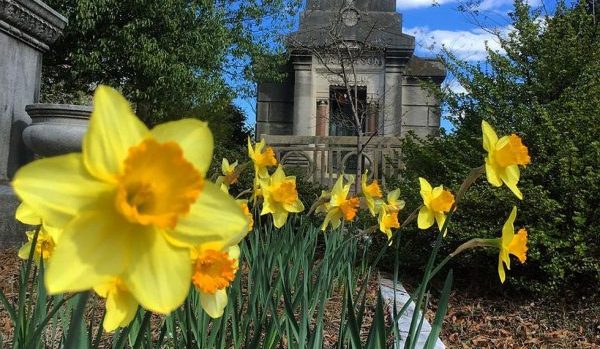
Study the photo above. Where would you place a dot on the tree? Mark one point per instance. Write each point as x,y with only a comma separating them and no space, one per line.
546,88
166,56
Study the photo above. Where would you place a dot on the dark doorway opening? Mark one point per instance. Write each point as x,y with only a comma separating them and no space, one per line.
341,118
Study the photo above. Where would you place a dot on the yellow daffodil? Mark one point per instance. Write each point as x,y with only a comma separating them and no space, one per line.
388,213
121,306
280,196
262,159
387,221
47,236
214,271
131,204
370,192
511,243
393,202
437,202
323,202
230,176
244,205
503,158
339,206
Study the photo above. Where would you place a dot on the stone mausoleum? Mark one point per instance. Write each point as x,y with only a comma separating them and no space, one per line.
389,79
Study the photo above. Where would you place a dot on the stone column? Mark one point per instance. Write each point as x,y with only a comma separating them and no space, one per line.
323,118
27,27
304,111
395,63
372,122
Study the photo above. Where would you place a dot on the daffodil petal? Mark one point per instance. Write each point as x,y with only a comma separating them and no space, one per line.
26,215
112,130
25,250
492,175
501,272
120,310
279,218
489,136
214,304
234,252
57,188
425,218
93,246
440,218
333,217
426,189
193,136
296,206
508,230
215,216
510,177
159,275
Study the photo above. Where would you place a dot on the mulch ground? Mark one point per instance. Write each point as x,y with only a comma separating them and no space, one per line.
478,318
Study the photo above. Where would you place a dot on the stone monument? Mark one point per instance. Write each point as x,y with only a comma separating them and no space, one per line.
389,79
27,28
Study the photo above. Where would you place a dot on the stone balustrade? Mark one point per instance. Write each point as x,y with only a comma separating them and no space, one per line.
321,159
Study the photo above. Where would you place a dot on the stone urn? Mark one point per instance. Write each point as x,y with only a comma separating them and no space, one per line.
56,129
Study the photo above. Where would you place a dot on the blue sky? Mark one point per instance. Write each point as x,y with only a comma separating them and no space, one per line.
441,24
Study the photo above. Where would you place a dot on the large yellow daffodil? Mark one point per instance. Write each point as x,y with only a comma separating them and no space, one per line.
370,192
214,270
131,205
280,196
339,206
511,243
503,159
437,202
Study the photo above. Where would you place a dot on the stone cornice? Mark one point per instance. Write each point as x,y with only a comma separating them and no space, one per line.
32,22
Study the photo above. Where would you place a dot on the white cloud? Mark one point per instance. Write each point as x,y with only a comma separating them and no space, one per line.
465,44
482,5
454,86
411,4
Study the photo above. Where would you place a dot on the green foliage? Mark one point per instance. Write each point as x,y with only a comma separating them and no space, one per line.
279,299
166,56
546,88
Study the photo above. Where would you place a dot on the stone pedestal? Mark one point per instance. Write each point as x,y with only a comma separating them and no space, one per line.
27,27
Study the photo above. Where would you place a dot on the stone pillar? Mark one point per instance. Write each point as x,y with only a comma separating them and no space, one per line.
372,122
323,118
304,112
395,63
27,27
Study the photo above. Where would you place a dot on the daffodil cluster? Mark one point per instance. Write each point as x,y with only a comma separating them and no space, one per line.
123,216
278,191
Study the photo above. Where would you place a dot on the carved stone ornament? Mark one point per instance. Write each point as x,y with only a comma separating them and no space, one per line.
32,22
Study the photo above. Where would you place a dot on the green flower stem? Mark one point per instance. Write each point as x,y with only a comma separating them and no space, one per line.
473,243
473,176
247,191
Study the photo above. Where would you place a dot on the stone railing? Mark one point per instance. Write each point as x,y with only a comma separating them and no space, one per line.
321,159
